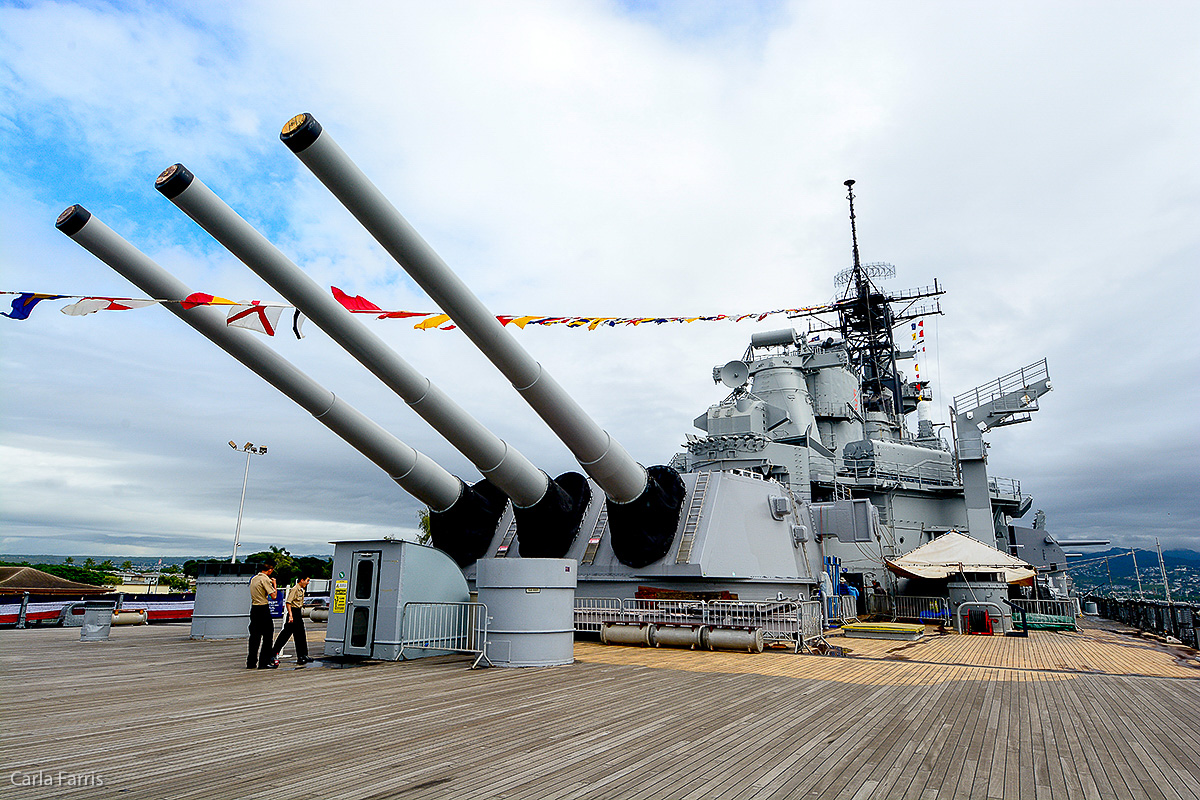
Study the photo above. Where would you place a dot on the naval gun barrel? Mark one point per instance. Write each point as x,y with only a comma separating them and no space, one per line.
616,472
548,511
643,504
415,472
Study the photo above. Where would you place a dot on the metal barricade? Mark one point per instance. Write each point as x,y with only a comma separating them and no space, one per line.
799,623
664,612
878,604
592,612
840,609
1049,613
929,610
779,620
812,629
446,627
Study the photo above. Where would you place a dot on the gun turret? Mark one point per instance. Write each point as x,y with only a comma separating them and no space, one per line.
643,504
555,506
413,471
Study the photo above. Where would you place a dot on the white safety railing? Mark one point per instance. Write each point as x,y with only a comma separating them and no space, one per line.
446,627
1005,486
666,612
779,620
929,472
1002,386
592,612
934,610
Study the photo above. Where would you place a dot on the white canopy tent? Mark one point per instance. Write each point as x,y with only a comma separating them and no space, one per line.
955,553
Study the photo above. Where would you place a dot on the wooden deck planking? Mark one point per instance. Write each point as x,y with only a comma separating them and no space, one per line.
1153,742
623,722
893,735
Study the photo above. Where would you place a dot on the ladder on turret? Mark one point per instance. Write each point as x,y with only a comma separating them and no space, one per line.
692,522
589,555
506,542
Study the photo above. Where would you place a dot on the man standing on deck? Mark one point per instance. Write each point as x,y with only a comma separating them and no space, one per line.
293,623
262,629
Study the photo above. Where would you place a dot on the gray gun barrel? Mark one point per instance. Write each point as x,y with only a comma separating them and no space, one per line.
414,471
601,456
500,463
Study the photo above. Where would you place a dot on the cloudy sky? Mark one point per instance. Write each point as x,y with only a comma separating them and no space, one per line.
601,159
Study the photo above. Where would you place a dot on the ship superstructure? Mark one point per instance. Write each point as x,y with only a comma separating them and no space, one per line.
825,412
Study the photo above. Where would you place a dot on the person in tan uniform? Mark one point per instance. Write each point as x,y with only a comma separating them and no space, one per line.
293,623
262,591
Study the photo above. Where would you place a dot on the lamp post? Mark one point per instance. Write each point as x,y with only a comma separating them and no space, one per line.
250,450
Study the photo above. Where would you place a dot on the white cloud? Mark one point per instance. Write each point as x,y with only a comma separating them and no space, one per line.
575,158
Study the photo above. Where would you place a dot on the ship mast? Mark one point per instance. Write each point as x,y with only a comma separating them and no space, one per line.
866,320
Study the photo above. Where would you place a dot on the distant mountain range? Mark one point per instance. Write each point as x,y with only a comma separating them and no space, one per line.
1121,564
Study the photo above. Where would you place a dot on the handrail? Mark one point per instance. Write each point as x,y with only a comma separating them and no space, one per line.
993,390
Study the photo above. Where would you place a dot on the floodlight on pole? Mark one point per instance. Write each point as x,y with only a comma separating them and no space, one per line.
250,450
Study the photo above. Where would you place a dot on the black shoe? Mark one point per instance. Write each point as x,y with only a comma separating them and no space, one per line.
304,660
251,666
269,666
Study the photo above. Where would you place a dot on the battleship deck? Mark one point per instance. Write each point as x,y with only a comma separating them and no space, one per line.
152,714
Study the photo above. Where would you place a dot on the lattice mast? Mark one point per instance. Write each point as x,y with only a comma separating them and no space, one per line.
866,321
867,318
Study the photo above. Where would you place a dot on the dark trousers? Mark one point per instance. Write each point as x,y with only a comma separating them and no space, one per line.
262,628
293,628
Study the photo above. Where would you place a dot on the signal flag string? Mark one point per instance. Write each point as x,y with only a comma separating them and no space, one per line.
264,316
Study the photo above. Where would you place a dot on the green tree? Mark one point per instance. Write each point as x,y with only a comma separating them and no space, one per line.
107,565
78,574
70,560
177,583
127,565
285,567
423,522
313,567
89,563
